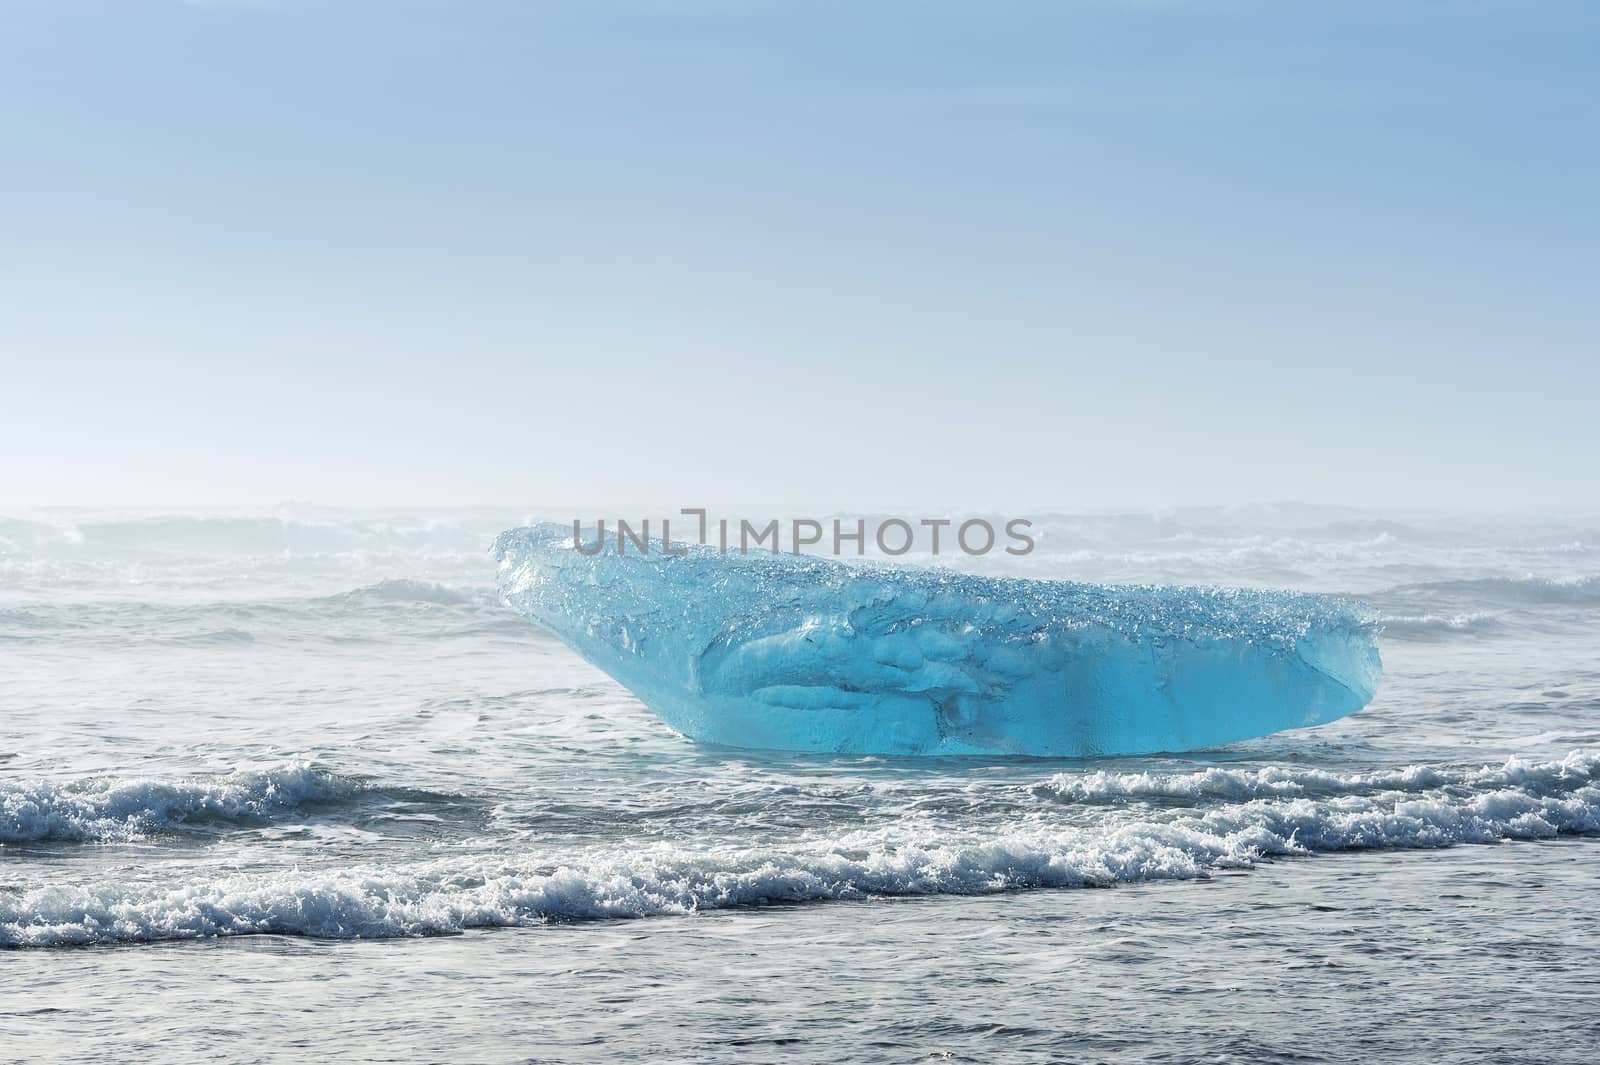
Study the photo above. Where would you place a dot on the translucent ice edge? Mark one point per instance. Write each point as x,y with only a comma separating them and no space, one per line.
802,653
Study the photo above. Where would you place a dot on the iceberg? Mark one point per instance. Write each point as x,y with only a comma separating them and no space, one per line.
802,653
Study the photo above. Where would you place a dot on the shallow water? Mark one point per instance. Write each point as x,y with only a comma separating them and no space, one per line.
319,737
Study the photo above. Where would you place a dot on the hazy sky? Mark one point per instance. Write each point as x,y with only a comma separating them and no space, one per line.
863,254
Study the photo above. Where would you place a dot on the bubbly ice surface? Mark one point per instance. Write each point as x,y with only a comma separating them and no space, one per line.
801,653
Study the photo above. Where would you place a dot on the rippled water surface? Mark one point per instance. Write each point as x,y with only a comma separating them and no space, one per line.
298,784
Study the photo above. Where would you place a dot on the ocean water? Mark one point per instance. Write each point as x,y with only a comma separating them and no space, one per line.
295,784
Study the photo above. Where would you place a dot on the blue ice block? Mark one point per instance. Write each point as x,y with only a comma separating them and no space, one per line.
809,654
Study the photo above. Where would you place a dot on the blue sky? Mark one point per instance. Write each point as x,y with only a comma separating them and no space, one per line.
864,255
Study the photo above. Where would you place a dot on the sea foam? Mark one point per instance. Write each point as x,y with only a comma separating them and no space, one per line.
1275,815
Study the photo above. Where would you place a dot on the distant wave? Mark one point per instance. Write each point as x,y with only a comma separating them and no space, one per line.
412,591
228,536
1436,626
1580,590
188,544
216,636
1424,808
102,809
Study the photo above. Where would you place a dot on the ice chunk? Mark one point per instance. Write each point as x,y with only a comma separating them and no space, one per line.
809,654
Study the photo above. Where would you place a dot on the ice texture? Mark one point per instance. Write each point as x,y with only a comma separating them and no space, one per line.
802,653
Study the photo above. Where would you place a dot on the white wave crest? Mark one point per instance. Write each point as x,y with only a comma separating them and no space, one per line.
1516,801
106,809
1236,785
1436,626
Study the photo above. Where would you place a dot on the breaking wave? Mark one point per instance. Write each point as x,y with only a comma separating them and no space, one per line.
101,809
1269,813
1574,772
